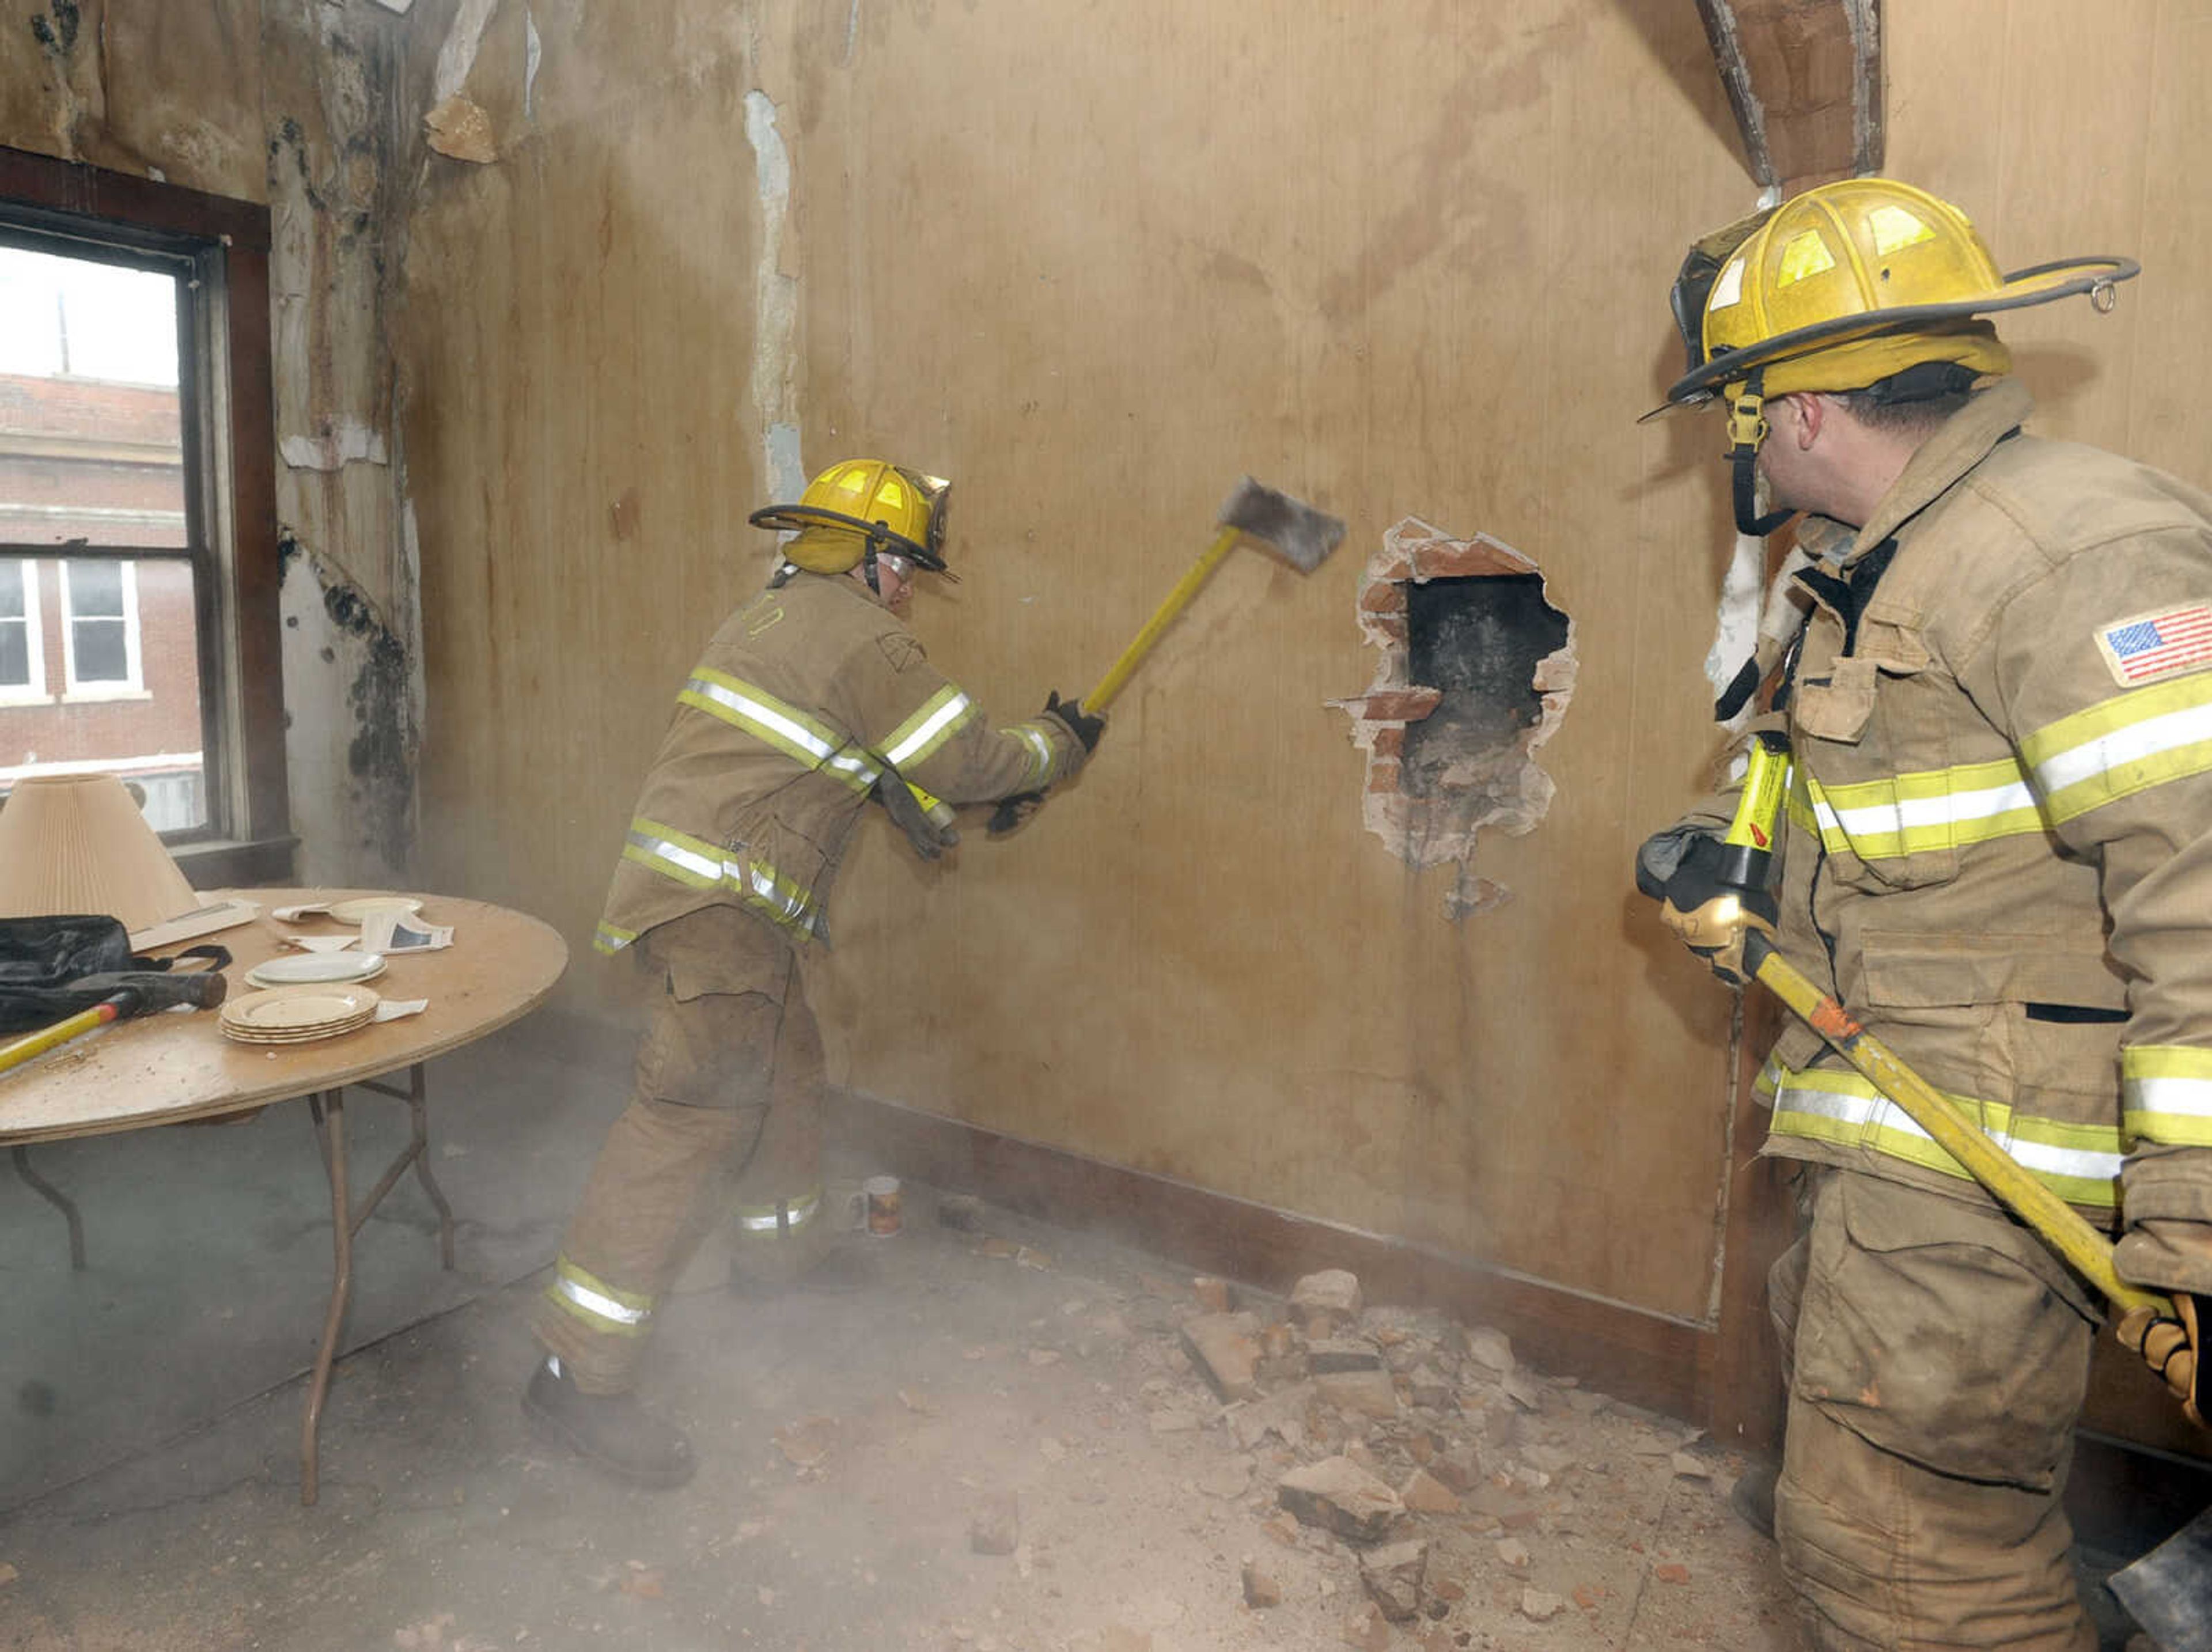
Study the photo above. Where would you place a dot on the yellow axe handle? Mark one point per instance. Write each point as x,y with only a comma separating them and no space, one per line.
1118,674
2059,1224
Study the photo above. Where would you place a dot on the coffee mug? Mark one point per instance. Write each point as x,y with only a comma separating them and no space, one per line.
875,1206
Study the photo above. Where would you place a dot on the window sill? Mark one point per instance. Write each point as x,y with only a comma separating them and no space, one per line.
94,697
233,863
25,697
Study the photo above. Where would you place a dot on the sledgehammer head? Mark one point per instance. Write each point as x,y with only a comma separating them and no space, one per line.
1302,533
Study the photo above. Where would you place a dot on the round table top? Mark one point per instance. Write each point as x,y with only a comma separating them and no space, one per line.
177,1065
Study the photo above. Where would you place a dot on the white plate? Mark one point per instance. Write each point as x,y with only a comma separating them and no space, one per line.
352,912
326,967
284,1010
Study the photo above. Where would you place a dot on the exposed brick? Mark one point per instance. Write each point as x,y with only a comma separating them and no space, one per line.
1388,742
1383,596
1382,775
1463,559
1395,705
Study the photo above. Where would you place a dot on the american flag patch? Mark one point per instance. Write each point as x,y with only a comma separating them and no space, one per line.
2154,646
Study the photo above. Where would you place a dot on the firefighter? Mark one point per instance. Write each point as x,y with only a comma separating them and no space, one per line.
812,699
1998,854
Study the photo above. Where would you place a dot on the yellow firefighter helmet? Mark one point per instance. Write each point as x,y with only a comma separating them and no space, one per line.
859,507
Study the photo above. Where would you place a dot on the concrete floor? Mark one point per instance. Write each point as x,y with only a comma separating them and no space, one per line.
854,1443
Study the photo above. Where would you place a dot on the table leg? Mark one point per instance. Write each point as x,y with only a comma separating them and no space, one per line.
329,1110
60,1201
418,1104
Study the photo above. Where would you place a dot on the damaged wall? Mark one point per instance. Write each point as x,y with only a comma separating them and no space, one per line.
1408,264
298,106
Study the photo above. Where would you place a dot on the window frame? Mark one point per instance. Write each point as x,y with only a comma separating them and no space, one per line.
228,408
32,690
132,685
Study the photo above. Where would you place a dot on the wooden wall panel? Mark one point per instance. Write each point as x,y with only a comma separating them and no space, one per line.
1407,263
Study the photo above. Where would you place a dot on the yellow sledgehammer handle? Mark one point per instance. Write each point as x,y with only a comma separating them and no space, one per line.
1119,672
2059,1224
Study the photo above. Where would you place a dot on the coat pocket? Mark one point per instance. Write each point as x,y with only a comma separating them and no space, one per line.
1942,1333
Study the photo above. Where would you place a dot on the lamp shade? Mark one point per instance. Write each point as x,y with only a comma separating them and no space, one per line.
77,843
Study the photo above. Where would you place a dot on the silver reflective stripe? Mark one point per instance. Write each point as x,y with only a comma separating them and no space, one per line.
1039,742
1882,1114
2185,1097
756,1218
931,725
776,723
2191,725
697,865
1951,809
592,1302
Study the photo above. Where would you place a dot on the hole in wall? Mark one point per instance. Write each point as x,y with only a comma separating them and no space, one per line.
1478,642
1475,671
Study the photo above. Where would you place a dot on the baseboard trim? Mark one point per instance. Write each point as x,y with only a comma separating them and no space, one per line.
1648,1359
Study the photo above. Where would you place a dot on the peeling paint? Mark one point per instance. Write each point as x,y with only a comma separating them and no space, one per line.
775,298
344,441
1735,626
533,54
458,55
1449,759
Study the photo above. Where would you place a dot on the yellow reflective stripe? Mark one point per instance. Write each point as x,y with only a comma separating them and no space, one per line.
1033,736
2166,1091
780,724
761,1218
1931,809
598,1304
696,864
611,937
691,861
763,886
914,740
2079,1162
2124,745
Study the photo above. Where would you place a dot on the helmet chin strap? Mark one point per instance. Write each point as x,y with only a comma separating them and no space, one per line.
1747,428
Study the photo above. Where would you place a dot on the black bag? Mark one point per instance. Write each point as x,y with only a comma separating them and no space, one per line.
52,968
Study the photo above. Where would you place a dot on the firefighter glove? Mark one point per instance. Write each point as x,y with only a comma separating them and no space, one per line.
1708,913
1080,723
929,839
2172,1346
1014,811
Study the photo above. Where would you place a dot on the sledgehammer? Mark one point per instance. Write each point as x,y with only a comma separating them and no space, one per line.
1303,535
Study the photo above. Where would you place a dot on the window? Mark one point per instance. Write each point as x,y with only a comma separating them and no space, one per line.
23,667
138,556
99,608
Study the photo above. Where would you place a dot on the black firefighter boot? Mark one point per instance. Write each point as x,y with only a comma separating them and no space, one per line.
611,1431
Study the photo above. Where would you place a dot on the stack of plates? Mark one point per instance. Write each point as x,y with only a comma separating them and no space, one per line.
320,969
297,1015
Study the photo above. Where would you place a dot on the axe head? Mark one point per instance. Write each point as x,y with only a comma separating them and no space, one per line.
2169,1591
1302,534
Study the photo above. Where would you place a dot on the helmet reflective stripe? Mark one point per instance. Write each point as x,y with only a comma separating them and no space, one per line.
2168,1094
2124,745
611,937
2079,1162
797,1213
598,1304
941,714
779,724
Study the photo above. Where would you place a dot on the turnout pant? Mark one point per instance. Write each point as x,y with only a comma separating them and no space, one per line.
1938,1354
729,1072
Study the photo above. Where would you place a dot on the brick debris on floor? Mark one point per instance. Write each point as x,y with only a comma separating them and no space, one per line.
1015,1440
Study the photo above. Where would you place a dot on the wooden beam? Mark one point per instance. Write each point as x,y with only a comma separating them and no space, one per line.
1804,77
